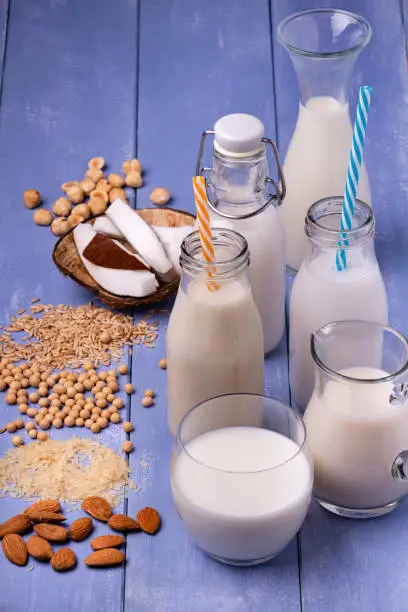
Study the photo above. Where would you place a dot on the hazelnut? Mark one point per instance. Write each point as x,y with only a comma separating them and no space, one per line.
60,226
123,369
116,180
116,193
74,219
96,162
42,217
62,207
17,440
99,193
131,165
127,446
127,426
98,206
147,401
83,210
32,198
103,185
75,194
94,174
134,179
87,185
69,185
160,196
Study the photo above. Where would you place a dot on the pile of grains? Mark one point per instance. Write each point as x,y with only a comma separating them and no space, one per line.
69,470
65,336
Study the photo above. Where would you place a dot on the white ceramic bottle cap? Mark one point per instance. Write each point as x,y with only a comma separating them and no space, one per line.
238,135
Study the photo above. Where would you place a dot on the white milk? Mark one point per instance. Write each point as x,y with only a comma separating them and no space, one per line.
316,167
320,295
214,346
264,234
242,516
355,435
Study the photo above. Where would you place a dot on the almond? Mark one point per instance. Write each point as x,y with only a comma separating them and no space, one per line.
80,529
105,557
149,520
53,533
97,507
46,505
14,548
64,559
107,541
40,516
39,548
123,523
16,524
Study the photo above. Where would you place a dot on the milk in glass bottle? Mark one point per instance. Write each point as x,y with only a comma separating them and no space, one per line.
323,45
238,181
321,293
214,337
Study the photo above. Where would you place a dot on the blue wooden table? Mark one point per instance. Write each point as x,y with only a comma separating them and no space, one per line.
144,78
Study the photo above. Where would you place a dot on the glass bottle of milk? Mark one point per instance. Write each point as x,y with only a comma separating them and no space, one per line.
214,337
323,45
238,181
322,294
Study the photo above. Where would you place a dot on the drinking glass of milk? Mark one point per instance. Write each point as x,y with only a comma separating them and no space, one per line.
242,479
323,45
214,338
238,185
357,418
321,293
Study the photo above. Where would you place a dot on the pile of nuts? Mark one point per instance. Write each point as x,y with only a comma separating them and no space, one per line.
47,518
80,399
91,196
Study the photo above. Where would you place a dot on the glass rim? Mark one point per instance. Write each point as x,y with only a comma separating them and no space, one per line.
325,54
288,409
343,377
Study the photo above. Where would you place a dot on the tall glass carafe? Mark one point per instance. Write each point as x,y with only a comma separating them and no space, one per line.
323,45
238,185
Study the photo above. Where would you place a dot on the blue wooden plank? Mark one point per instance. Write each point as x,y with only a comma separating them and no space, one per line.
351,565
69,94
198,62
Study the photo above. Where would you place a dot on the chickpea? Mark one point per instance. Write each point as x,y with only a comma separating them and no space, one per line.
87,384
11,398
57,423
2,384
60,226
95,428
44,402
163,363
129,389
17,440
105,338
149,393
147,401
23,408
15,385
33,434
88,423
29,426
43,411
32,412
97,410
160,196
62,207
109,397
88,365
118,403
32,198
19,423
101,403
106,413
25,382
44,424
42,436
117,193
56,403
94,417
34,380
63,398
54,410
127,446
123,369
134,179
102,422
127,426
114,387
112,373
43,391
11,427
69,421
85,414
75,194
132,165
79,422
49,418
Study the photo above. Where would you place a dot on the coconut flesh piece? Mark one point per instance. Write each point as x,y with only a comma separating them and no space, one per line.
141,237
105,226
170,237
134,283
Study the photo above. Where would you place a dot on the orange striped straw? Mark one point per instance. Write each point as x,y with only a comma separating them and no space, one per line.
204,228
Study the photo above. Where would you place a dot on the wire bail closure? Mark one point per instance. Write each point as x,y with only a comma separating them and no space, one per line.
272,198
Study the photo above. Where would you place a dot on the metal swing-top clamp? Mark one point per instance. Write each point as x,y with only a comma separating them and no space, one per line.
250,143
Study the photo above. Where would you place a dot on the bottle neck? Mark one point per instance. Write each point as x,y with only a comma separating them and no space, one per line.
237,185
322,227
231,259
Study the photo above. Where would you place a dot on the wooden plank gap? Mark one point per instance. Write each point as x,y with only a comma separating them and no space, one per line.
3,41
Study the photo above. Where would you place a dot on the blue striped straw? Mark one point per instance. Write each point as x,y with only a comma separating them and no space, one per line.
353,172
